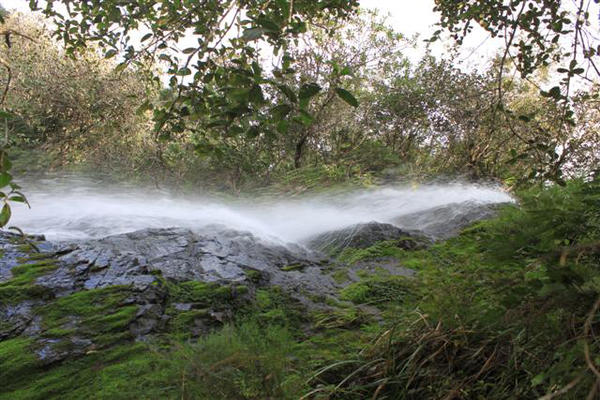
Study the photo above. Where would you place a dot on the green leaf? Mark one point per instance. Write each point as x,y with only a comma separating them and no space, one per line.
185,71
6,115
110,54
18,199
5,179
554,93
217,123
6,163
304,118
268,25
252,132
121,67
347,97
524,118
281,111
283,126
253,34
5,215
239,94
256,95
309,90
256,69
289,93
538,379
146,106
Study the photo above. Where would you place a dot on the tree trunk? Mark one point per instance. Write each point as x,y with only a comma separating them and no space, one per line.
300,151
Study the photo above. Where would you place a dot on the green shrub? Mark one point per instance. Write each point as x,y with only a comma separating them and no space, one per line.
506,310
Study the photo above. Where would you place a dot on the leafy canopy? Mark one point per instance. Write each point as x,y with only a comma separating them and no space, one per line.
217,82
536,33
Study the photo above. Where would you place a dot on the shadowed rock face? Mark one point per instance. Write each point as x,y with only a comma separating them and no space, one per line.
411,231
217,254
446,221
362,236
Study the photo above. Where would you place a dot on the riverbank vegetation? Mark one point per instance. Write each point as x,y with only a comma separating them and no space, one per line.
507,309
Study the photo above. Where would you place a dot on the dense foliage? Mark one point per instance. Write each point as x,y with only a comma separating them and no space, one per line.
217,82
249,120
81,108
402,118
303,95
507,310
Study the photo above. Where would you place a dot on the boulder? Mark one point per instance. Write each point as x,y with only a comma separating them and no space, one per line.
444,222
361,236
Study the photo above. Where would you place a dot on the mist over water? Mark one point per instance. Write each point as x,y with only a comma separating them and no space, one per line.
79,208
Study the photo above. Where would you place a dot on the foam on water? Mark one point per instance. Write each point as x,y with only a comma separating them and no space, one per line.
68,209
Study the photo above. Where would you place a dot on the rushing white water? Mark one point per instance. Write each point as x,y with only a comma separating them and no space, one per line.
68,209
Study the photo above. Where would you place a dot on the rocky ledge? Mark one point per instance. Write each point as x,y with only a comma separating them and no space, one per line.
70,298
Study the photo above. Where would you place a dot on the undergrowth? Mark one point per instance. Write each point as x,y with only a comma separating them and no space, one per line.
506,310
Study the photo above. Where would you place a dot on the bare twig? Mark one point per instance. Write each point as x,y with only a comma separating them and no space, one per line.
563,390
17,33
586,333
8,81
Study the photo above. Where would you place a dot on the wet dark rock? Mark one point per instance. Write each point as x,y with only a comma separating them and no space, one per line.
18,319
217,254
54,350
11,253
361,236
148,319
183,306
444,222
142,263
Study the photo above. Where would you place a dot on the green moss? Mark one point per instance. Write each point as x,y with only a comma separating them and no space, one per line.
241,290
378,290
293,267
254,275
245,361
332,345
204,294
101,315
266,298
363,274
183,321
32,256
91,376
379,250
16,359
22,287
340,276
274,306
